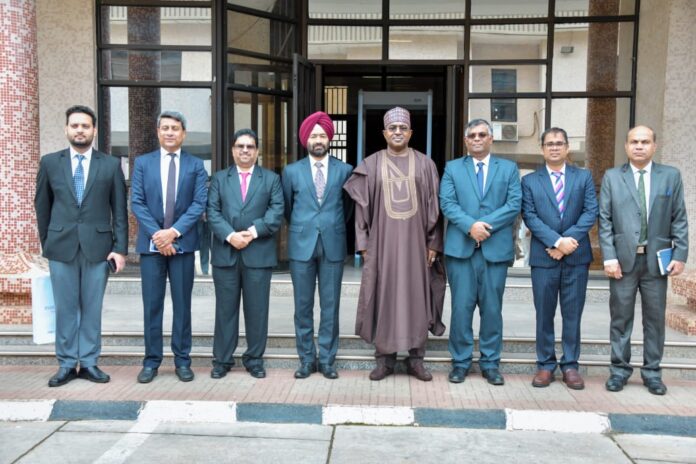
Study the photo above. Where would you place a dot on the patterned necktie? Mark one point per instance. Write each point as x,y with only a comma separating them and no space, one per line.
170,200
319,181
79,180
479,177
245,177
558,190
643,209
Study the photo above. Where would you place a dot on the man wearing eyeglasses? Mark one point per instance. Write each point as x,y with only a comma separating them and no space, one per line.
480,197
398,231
316,208
245,210
559,207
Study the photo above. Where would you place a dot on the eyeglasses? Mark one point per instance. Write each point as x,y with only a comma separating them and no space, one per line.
395,127
241,146
553,144
473,135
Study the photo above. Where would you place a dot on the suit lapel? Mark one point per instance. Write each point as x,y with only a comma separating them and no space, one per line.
255,184
655,186
156,169
570,176
547,186
94,165
234,185
307,176
492,170
184,166
66,164
630,183
470,171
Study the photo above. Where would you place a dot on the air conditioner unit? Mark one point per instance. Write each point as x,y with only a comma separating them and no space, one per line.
505,131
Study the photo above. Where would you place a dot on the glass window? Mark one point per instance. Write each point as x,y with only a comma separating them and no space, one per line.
434,9
508,41
426,43
258,73
340,9
278,7
156,26
516,140
594,125
268,116
603,49
130,120
529,78
260,35
509,9
165,65
595,7
344,43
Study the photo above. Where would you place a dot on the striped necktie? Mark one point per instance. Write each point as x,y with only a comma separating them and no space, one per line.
558,190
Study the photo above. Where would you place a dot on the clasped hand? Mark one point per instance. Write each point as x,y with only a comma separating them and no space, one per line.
241,240
163,240
566,246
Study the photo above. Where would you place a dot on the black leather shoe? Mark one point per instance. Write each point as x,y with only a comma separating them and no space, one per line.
184,373
63,376
305,370
329,371
93,374
493,376
257,371
147,374
655,386
219,371
615,383
458,374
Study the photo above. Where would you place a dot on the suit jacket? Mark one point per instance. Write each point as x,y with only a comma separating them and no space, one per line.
263,208
99,226
462,205
307,218
147,202
541,215
619,216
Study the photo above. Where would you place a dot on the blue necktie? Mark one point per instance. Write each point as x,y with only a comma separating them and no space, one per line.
79,180
479,177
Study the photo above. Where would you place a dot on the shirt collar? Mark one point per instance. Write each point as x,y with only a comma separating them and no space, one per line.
250,170
324,161
164,153
647,168
562,170
485,160
87,154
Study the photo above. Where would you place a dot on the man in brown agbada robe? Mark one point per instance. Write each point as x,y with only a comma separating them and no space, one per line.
399,234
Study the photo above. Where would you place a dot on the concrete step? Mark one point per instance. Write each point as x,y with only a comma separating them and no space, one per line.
518,355
517,289
202,340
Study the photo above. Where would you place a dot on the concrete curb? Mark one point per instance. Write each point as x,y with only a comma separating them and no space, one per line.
230,412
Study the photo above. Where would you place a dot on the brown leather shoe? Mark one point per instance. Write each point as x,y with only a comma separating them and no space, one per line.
380,372
572,378
543,378
419,371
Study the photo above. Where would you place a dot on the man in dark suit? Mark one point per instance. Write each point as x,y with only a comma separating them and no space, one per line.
245,210
480,196
168,196
559,207
316,208
641,211
81,211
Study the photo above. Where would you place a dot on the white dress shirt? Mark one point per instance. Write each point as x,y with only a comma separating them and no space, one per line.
251,229
324,166
486,162
165,159
553,184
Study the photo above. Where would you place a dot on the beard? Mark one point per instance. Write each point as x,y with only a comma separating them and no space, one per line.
318,150
87,142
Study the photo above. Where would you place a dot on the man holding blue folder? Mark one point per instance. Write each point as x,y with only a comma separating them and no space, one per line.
641,213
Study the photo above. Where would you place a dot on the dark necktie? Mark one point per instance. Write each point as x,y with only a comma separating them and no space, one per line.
171,193
643,209
479,177
319,181
79,180
558,190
